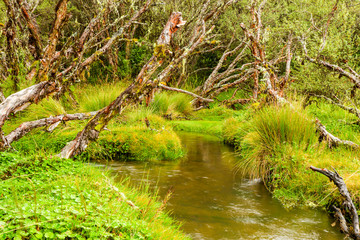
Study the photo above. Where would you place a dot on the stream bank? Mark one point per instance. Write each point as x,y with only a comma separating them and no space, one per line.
213,202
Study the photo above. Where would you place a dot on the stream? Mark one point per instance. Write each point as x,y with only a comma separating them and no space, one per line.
213,202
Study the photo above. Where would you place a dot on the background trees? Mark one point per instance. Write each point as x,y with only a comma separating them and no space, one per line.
227,52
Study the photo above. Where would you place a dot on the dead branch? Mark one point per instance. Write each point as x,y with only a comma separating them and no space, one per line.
50,122
133,94
331,139
352,75
186,92
352,110
347,202
341,219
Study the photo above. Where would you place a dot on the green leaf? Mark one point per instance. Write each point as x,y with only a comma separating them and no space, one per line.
39,235
49,235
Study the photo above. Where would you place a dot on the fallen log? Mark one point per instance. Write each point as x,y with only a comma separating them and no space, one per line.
331,139
347,202
52,122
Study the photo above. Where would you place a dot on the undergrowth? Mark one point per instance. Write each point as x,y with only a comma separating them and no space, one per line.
51,198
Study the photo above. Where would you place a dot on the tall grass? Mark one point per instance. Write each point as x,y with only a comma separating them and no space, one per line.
174,103
272,130
46,108
93,98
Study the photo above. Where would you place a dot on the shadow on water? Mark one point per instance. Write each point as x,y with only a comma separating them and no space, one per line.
214,203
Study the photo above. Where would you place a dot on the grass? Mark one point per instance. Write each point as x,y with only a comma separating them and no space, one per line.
124,141
93,98
50,198
176,104
280,144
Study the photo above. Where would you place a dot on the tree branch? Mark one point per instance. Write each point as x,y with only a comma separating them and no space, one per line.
348,203
186,92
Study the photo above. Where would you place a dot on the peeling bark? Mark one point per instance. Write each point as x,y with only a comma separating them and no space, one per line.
32,29
21,100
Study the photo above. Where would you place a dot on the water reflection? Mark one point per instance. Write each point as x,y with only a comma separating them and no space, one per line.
214,203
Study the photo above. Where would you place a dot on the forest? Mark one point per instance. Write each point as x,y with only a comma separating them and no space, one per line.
89,85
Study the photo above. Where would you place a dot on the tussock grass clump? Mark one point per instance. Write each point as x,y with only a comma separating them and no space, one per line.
172,103
93,98
138,114
46,108
137,143
279,145
270,131
233,130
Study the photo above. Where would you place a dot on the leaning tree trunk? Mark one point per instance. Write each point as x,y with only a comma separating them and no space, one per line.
134,93
49,57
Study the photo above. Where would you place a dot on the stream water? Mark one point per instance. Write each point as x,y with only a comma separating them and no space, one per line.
213,202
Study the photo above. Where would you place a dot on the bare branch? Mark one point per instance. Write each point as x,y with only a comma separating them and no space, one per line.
186,92
353,77
348,203
353,110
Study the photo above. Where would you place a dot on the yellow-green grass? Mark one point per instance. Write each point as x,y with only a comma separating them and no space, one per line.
122,140
279,145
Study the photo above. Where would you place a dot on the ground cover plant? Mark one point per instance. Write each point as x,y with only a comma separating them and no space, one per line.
52,198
